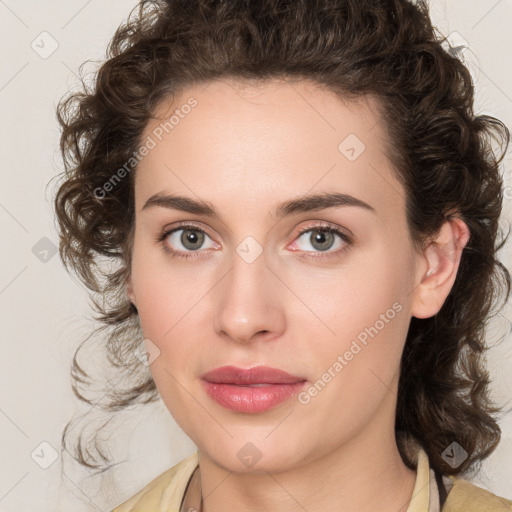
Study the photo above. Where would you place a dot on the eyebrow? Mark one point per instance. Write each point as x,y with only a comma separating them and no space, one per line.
308,203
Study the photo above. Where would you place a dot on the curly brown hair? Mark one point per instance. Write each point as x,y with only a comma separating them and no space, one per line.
442,153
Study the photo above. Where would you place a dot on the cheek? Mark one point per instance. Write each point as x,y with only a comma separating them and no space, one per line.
166,290
355,368
367,316
366,292
170,301
169,319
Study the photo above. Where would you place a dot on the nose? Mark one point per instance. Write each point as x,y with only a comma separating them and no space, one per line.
249,302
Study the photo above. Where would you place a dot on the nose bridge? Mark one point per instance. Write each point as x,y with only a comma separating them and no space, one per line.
247,302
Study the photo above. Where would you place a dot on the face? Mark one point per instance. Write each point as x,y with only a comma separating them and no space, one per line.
323,291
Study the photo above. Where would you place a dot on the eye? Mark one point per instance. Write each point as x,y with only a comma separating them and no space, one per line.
190,237
322,238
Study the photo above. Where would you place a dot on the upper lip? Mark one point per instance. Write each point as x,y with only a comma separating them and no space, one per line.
255,375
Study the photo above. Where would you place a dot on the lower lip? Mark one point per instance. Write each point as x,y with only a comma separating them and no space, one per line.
251,399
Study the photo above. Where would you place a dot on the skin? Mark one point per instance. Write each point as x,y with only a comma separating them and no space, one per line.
245,148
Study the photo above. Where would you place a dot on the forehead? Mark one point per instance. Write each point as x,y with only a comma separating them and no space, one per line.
252,144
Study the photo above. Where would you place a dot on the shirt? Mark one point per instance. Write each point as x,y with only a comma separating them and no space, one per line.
166,491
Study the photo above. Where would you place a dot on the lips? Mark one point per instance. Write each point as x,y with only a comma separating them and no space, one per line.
256,375
251,390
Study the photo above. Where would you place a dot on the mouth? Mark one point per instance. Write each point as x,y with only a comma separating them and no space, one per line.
252,390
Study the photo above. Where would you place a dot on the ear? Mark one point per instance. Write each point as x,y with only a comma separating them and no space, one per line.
438,270
129,291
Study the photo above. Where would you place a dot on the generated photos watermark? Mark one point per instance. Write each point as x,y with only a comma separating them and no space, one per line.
150,143
343,360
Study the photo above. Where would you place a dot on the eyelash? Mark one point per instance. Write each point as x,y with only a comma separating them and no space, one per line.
316,227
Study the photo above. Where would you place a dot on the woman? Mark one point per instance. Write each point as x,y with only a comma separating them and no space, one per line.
303,209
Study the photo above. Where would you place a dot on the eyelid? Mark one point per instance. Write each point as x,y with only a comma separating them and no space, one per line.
184,224
320,224
167,230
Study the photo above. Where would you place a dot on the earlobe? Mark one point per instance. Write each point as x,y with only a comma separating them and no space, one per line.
442,257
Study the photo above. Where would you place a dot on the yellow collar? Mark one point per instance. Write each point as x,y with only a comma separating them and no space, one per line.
425,491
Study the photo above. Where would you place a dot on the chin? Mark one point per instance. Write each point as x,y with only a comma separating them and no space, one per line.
253,453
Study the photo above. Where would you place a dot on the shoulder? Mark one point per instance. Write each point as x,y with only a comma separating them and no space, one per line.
467,497
163,493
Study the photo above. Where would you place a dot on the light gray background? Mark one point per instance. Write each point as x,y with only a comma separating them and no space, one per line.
45,313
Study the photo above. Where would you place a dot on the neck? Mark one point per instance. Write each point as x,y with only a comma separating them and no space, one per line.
364,473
